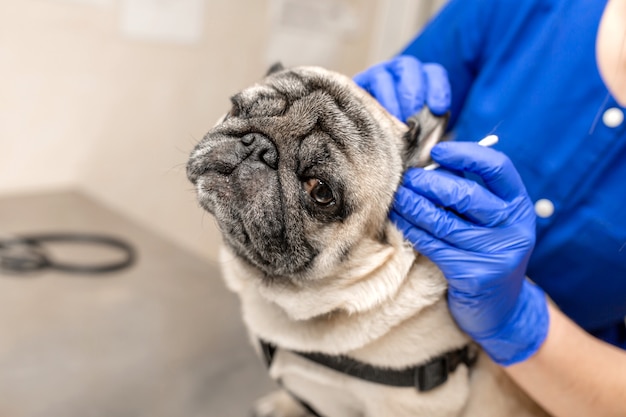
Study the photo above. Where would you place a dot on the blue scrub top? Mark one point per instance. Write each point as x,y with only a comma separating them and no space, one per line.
526,71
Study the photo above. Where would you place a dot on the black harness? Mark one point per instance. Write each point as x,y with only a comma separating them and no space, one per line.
424,377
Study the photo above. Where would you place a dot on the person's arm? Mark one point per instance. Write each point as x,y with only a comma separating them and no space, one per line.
455,39
450,45
574,374
481,238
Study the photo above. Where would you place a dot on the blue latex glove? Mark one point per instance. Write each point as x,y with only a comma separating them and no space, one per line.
403,85
481,239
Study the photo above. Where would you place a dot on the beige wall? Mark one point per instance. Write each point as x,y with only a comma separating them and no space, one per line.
84,107
49,110
81,106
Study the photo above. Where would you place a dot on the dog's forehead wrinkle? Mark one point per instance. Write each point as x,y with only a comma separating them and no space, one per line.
288,83
320,156
318,150
349,104
314,100
346,120
338,87
317,112
255,92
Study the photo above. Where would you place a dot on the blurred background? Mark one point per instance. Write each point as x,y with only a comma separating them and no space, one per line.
101,102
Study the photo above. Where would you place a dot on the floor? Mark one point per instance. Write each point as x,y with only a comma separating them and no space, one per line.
163,338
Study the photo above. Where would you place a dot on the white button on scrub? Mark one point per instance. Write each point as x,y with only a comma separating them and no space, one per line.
613,117
544,208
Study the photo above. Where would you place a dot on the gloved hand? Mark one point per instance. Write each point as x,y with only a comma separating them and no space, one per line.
403,85
481,239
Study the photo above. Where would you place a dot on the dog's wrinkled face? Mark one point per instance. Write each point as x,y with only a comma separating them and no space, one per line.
301,170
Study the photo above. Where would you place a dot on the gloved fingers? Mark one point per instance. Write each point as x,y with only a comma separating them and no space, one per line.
463,196
424,214
411,84
403,85
438,91
494,167
421,240
381,84
383,88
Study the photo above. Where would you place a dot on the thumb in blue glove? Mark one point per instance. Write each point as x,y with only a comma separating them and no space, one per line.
403,85
481,238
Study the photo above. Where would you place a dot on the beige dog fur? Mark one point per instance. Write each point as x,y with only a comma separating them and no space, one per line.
385,305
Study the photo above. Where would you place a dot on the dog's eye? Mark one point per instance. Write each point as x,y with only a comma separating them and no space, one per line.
319,191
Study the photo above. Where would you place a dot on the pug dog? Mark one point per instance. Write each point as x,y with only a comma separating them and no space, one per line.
300,176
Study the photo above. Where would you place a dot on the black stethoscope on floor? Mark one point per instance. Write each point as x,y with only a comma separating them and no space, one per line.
23,254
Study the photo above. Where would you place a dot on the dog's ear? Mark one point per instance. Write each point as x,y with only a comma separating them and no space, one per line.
425,131
276,67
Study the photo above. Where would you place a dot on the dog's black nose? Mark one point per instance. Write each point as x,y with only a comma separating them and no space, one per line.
262,149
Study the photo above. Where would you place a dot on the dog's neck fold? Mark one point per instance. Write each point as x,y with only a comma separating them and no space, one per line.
374,294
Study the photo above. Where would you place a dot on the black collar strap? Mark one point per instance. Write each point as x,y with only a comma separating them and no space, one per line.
424,377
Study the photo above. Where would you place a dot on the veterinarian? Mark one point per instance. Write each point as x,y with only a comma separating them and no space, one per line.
549,78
